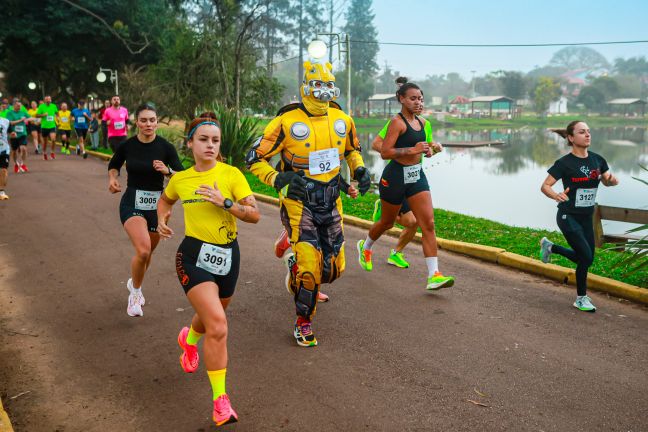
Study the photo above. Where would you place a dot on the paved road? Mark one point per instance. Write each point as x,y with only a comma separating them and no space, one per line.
392,357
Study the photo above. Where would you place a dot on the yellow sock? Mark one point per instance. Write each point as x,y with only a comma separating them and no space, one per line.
193,336
217,380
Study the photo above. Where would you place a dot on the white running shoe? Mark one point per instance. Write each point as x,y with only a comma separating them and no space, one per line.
584,303
134,307
131,289
545,250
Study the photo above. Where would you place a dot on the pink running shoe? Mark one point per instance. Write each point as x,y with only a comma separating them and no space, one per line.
189,358
282,244
223,411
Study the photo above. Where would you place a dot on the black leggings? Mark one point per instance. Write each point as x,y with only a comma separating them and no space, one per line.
578,230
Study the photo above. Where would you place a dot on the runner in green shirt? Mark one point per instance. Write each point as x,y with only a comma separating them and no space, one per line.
47,112
18,136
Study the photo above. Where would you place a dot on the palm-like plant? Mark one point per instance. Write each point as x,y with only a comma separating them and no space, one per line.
636,258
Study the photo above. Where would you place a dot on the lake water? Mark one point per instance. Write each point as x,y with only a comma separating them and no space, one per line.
502,183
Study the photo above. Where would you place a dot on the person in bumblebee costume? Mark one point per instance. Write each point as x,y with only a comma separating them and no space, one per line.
312,138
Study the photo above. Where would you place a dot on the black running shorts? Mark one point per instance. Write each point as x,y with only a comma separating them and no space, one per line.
4,160
81,132
47,132
17,142
127,210
115,141
190,275
392,186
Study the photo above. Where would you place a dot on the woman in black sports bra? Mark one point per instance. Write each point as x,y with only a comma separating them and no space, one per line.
403,177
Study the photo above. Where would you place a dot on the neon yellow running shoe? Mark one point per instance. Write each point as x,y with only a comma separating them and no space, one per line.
364,256
439,281
397,259
377,211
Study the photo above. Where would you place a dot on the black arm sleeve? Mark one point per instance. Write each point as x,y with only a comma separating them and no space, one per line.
118,158
173,161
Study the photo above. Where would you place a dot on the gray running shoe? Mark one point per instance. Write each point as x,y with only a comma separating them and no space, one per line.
545,250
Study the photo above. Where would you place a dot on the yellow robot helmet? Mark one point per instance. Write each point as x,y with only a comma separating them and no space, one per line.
319,82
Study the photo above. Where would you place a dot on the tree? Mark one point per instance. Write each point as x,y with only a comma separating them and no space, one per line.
362,33
361,29
386,82
574,57
592,98
546,91
637,66
607,86
39,33
512,84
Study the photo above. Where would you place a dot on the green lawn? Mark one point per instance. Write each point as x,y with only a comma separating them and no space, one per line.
455,226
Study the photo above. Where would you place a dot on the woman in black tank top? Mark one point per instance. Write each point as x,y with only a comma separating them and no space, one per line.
403,179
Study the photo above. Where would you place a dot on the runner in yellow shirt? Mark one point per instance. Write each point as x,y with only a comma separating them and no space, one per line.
64,126
214,195
33,127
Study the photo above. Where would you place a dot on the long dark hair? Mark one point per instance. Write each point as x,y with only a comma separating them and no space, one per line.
568,131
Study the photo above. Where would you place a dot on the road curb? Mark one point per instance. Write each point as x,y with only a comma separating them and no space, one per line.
5,423
508,259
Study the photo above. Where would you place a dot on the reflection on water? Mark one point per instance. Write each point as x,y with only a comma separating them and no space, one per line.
502,182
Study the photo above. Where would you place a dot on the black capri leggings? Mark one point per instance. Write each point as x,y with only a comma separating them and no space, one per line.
190,275
578,230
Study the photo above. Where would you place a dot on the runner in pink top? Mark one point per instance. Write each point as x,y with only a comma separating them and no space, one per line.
116,117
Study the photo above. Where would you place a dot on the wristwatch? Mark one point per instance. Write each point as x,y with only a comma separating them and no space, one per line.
227,204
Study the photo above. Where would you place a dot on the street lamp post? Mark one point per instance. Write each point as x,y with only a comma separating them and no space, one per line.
101,77
346,50
32,86
473,82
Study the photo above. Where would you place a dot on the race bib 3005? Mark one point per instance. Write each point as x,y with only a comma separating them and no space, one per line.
146,200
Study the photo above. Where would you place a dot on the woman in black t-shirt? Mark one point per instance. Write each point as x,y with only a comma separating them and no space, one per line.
581,172
148,159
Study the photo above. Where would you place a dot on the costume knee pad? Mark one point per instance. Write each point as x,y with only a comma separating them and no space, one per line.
306,299
309,265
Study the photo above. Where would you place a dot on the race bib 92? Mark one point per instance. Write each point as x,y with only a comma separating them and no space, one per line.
323,161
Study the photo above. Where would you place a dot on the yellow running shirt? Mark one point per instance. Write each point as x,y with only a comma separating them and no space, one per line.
32,114
203,220
63,120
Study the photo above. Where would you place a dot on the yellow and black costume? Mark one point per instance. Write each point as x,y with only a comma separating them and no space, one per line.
312,138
